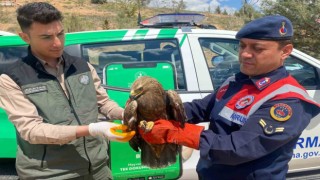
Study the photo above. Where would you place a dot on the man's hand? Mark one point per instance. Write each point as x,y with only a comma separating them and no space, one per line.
168,131
111,131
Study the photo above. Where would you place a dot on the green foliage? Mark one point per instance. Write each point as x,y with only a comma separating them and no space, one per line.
73,23
76,22
81,2
225,12
127,8
170,5
179,5
217,10
247,12
106,24
3,15
304,17
126,14
99,1
144,2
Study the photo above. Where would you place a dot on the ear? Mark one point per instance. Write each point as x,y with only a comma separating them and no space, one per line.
25,37
286,51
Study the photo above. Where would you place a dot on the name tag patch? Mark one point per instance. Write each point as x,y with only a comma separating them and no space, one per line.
36,89
238,118
233,116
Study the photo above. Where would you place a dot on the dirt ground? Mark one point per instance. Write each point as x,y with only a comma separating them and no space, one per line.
93,16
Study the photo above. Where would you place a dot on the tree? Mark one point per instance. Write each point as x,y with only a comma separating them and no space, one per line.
225,12
305,18
247,10
209,9
80,2
73,23
178,6
144,2
126,11
217,10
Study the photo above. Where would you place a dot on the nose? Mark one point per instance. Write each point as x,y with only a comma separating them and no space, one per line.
57,42
244,53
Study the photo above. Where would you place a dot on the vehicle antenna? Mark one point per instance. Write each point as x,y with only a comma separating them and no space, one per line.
139,15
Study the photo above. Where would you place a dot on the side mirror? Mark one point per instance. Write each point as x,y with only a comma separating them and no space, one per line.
216,60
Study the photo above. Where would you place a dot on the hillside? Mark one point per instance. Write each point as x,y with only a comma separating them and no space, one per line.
81,15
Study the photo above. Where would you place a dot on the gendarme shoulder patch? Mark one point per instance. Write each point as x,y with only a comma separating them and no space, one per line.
281,112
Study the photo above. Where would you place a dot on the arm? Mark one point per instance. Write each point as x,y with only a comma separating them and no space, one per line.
251,141
82,131
199,110
248,143
107,106
24,115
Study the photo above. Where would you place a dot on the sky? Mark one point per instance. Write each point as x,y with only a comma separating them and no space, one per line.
203,5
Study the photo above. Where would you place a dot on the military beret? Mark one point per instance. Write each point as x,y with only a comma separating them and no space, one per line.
274,27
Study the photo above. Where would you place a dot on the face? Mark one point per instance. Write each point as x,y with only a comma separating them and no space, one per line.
259,57
46,40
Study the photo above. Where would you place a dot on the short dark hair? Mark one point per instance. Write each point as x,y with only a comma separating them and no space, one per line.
283,43
40,12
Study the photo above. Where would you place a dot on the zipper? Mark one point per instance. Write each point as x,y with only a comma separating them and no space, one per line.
44,155
77,118
73,111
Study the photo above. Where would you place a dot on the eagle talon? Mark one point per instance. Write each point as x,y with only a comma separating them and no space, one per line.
146,126
142,125
149,126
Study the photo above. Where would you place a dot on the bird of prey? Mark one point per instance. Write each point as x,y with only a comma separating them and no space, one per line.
147,103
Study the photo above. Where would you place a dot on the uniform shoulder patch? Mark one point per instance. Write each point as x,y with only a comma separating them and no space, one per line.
244,101
269,128
84,79
281,112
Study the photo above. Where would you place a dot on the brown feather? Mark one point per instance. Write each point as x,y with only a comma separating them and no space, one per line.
149,102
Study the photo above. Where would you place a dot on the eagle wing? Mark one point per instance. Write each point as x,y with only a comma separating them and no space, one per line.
130,115
175,107
130,119
149,102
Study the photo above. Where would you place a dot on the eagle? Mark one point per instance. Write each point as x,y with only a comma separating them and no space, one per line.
148,102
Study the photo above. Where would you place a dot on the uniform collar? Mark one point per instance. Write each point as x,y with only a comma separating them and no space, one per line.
35,62
44,63
265,80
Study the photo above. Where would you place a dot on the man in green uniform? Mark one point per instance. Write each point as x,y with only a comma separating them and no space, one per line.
53,99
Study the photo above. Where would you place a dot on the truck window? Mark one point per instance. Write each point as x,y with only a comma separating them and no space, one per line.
303,72
99,55
222,60
12,53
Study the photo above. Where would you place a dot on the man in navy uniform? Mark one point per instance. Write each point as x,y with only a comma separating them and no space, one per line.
256,116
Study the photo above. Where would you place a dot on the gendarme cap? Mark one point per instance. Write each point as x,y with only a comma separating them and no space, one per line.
274,27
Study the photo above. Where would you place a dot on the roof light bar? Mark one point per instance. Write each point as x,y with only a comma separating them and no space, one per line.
173,19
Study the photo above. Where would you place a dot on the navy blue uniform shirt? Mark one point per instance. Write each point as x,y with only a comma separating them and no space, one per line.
229,150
